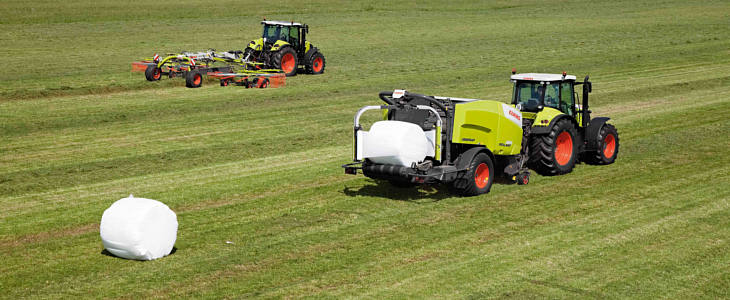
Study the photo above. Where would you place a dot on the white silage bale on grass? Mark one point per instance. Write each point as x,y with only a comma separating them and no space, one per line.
138,228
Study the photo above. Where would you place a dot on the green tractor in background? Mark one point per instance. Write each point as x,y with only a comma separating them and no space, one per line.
284,45
560,131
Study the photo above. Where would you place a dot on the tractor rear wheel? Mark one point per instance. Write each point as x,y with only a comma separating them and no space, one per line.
554,153
286,59
607,145
152,73
316,63
478,177
193,79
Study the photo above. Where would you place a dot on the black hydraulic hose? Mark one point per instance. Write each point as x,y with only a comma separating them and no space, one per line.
429,99
384,96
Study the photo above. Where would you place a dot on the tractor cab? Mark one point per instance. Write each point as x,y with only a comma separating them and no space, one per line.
290,32
535,91
284,46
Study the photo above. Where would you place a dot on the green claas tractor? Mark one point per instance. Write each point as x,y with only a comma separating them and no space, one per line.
468,143
284,45
561,131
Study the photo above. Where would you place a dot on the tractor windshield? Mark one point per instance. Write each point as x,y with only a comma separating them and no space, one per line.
273,33
528,94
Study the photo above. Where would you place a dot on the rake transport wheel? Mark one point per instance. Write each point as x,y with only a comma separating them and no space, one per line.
554,153
316,64
263,83
224,82
286,60
152,73
193,79
477,179
607,145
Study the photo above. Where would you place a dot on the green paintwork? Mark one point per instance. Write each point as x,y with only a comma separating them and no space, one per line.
307,45
484,123
278,45
257,44
545,116
437,154
579,117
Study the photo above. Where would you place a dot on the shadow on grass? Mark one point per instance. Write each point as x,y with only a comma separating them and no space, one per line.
107,253
416,194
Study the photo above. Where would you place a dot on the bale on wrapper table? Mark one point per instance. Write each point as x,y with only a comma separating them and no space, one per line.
138,228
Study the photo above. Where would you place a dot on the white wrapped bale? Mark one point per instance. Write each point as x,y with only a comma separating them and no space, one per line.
395,143
138,228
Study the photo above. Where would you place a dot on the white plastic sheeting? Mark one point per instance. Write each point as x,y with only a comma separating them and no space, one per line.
395,143
138,228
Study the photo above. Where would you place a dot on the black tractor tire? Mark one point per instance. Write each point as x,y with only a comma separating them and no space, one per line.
478,177
224,82
152,73
316,63
554,153
607,145
193,79
290,60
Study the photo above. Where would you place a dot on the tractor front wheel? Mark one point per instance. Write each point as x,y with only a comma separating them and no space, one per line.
554,153
606,145
316,63
286,59
193,79
478,177
153,73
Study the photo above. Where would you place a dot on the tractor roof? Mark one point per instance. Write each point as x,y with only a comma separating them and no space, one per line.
541,77
282,23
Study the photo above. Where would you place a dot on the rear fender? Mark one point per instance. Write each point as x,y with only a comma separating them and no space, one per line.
462,162
592,131
310,52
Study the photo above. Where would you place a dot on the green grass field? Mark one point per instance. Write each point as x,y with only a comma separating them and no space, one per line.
261,168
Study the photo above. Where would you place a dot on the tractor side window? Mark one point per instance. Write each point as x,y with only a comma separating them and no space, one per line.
284,34
566,98
294,36
271,33
551,95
